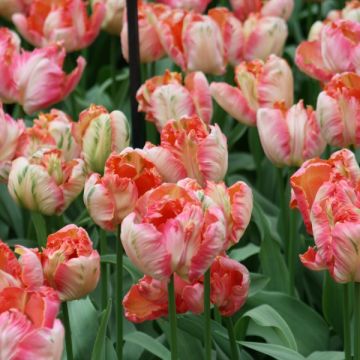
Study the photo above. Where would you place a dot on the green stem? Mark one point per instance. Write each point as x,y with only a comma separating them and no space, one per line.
283,208
346,320
68,341
104,270
357,322
40,228
172,316
113,55
292,251
207,330
235,354
118,290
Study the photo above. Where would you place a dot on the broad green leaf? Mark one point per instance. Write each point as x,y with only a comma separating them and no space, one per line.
128,265
99,349
24,242
277,352
326,355
236,134
266,316
310,330
240,161
148,343
242,253
257,283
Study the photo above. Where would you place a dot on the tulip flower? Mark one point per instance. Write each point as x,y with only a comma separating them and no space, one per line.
66,21
189,38
51,130
100,133
71,265
46,182
335,51
337,109
114,11
11,140
148,299
236,203
259,85
150,46
351,11
230,283
34,79
190,148
295,134
196,5
263,36
307,181
232,33
127,176
23,272
9,7
243,8
164,98
28,325
171,232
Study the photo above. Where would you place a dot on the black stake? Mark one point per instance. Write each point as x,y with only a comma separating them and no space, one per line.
138,125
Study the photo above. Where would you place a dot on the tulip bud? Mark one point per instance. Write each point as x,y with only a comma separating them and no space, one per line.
259,85
11,140
71,265
100,133
127,176
114,11
264,36
295,134
279,8
28,324
164,98
150,46
47,23
45,182
337,109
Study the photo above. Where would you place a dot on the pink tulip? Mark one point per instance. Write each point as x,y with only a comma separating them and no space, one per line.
259,85
165,97
9,7
307,181
289,136
263,36
148,299
337,50
45,182
11,139
127,176
189,38
100,133
243,8
230,283
338,109
170,231
51,130
34,79
71,265
66,21
151,48
114,13
232,33
190,148
196,5
23,272
28,325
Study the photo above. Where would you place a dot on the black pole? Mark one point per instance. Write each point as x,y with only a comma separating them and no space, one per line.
137,121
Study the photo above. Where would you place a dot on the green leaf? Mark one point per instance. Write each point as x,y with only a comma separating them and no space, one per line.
40,228
310,330
128,265
99,348
275,351
257,283
148,343
266,316
326,355
240,161
236,134
242,253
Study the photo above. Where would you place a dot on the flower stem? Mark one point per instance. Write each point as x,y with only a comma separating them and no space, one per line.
118,291
235,354
346,317
292,251
68,341
207,330
172,316
113,54
357,322
40,228
104,270
283,208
